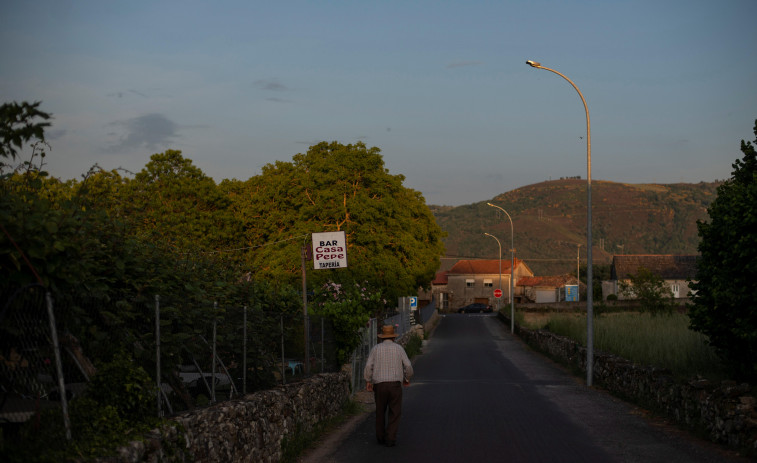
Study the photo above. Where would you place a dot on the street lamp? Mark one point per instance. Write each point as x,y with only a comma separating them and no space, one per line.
589,276
500,264
512,268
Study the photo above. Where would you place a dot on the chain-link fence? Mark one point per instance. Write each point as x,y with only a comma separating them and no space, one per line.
28,370
195,355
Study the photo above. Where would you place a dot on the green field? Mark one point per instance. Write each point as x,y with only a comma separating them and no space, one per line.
659,341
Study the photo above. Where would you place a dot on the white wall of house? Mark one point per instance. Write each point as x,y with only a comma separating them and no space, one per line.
464,289
679,288
546,295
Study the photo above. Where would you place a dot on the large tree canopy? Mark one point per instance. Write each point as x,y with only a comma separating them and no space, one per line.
725,298
173,201
394,243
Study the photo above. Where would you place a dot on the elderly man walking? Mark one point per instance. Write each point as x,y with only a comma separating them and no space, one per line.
386,371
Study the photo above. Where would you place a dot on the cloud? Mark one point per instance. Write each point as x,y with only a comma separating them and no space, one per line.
461,64
121,94
270,84
148,131
278,100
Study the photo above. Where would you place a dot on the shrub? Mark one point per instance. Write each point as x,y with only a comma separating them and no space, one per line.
117,407
650,290
413,346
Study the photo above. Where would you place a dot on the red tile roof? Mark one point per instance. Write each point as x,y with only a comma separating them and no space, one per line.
666,266
484,266
440,279
546,281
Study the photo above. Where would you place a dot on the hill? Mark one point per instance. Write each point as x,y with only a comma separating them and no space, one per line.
549,221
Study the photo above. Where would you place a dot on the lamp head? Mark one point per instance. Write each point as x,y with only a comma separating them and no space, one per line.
533,64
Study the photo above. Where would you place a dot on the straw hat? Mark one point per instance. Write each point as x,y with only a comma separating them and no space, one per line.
387,331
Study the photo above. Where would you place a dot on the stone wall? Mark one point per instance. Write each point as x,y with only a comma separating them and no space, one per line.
725,412
249,429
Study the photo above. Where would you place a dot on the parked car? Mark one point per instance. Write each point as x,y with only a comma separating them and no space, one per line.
475,308
198,382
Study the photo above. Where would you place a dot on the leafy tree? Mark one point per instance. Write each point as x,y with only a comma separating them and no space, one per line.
724,294
18,125
394,243
174,202
46,237
651,291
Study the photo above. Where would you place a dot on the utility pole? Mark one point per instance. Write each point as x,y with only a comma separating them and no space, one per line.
304,255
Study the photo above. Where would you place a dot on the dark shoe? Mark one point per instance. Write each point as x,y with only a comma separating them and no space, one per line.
390,443
381,441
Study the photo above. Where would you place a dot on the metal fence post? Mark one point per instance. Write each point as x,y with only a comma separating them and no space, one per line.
323,360
213,358
283,367
157,353
58,365
244,351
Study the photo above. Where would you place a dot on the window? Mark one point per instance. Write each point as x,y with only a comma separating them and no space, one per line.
470,283
488,283
675,290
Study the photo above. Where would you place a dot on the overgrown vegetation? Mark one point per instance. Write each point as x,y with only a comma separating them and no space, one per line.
105,245
413,345
117,407
660,341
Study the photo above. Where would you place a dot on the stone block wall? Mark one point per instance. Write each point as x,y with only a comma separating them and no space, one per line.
249,429
724,411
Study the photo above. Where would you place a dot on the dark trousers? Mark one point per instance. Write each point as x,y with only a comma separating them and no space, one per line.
388,396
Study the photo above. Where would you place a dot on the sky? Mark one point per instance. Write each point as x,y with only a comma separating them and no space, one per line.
440,87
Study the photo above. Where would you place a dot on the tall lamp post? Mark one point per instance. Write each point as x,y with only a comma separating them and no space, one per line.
500,264
512,268
589,276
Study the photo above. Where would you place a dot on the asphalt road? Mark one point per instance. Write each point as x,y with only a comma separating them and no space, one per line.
480,395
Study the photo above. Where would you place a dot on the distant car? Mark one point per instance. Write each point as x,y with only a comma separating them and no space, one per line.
475,308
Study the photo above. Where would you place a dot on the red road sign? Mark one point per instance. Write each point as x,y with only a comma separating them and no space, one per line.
497,293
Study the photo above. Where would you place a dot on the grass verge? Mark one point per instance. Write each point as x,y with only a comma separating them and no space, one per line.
292,447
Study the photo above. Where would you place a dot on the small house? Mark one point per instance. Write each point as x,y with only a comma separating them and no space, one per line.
545,289
675,270
470,281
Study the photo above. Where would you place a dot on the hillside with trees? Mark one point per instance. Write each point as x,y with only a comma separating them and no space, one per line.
549,222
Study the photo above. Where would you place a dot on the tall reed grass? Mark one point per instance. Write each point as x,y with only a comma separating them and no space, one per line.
659,341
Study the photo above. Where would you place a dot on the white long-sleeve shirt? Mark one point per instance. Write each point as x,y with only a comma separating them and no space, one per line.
387,362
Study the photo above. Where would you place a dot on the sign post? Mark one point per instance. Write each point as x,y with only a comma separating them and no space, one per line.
329,251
